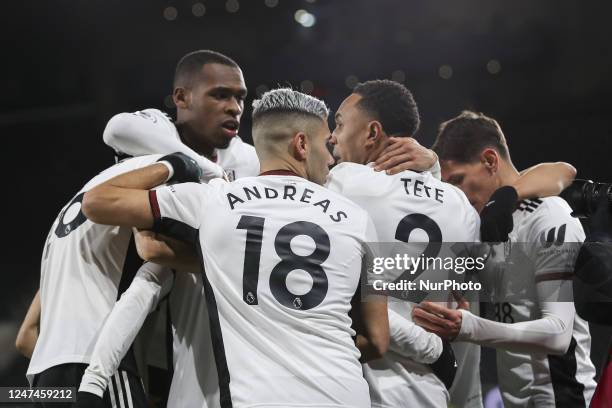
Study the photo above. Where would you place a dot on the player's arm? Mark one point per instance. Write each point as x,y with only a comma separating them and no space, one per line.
544,180
125,320
405,153
124,199
142,133
372,311
167,251
550,334
28,332
411,340
373,339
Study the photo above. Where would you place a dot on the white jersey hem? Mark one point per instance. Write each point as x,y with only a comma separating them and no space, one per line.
37,369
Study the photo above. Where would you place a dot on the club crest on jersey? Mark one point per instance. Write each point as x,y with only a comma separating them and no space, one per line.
297,303
548,239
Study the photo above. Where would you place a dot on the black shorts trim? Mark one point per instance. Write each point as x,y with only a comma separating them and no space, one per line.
124,390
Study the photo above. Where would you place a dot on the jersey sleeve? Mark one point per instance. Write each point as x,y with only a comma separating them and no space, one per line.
178,209
551,334
556,236
436,170
123,324
412,341
151,132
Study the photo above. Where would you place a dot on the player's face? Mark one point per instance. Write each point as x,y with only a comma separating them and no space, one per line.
472,178
217,103
351,132
318,157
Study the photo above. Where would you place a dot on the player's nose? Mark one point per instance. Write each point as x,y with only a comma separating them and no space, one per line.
233,107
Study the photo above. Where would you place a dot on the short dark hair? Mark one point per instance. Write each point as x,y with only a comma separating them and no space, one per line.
392,104
192,63
464,137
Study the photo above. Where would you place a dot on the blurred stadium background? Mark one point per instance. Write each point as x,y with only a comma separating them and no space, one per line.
543,69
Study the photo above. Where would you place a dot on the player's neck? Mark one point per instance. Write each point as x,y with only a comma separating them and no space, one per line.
376,151
507,174
281,164
190,140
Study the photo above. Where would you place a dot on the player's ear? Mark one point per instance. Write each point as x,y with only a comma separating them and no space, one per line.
490,159
299,144
375,133
181,97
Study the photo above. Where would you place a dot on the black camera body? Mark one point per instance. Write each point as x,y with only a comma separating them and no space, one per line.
583,196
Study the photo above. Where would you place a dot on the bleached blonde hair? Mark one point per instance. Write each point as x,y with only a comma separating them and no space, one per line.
280,114
286,100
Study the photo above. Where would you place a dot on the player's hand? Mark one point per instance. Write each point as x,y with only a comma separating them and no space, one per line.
185,168
405,153
88,400
146,243
166,251
438,319
462,303
496,216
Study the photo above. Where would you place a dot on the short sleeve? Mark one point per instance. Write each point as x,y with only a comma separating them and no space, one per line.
178,209
557,238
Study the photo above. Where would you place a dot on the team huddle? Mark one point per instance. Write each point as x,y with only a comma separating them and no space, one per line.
242,270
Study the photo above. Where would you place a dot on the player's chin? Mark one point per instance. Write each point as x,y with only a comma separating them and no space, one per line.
223,141
321,178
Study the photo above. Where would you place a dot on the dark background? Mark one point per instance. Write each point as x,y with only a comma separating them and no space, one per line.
542,68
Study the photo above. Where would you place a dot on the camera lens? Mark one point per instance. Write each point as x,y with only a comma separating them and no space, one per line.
584,195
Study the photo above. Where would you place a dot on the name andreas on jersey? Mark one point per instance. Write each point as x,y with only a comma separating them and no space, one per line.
287,192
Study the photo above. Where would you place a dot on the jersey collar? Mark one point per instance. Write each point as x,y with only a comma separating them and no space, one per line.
279,172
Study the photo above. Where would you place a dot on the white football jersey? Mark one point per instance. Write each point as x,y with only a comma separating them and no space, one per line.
81,267
282,259
415,207
539,379
150,131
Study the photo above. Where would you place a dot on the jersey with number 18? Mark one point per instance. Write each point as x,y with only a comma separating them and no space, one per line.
282,259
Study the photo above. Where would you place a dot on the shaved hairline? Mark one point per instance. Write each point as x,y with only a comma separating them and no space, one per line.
273,128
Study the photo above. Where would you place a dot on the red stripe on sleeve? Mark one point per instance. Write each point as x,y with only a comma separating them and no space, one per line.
154,204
